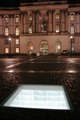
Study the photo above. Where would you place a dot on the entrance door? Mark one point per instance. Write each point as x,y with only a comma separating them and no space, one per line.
58,47
44,47
30,48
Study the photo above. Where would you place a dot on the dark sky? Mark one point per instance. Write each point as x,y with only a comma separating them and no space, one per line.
15,3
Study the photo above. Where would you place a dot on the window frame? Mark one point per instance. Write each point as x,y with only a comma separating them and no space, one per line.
18,49
32,29
6,22
57,29
70,17
6,31
5,50
56,16
6,42
31,17
71,29
17,32
16,21
17,41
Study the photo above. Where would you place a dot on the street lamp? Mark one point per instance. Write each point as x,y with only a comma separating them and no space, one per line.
71,44
10,47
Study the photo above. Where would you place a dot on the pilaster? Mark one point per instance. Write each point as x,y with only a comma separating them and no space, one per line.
50,21
21,23
37,21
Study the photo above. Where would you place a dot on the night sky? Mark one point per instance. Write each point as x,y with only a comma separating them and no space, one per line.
15,3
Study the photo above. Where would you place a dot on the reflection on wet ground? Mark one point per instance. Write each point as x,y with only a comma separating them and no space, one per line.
41,64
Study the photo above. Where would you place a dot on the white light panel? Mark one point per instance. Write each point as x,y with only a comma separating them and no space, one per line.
39,96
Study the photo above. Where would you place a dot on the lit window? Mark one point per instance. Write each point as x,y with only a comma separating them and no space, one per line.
57,16
72,17
6,32
6,42
73,49
16,20
17,41
72,29
57,28
6,20
17,31
43,28
30,17
17,50
6,50
30,29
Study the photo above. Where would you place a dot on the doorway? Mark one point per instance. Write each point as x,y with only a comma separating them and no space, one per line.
44,47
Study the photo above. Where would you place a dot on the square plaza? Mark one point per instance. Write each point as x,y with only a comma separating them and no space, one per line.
43,70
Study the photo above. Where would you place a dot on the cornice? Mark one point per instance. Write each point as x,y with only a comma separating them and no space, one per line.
45,7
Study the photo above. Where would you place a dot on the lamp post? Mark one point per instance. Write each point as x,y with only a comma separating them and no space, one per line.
9,47
71,44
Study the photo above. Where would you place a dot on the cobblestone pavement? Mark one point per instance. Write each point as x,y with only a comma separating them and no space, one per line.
42,70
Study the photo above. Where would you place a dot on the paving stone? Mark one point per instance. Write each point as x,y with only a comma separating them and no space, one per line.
9,81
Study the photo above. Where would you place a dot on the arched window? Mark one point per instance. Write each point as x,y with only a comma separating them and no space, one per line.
17,31
57,28
72,29
6,31
44,47
57,16
6,20
30,17
72,17
58,47
16,20
30,48
43,26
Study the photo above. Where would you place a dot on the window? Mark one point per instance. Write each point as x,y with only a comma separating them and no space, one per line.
30,17
17,41
57,16
6,50
57,28
43,26
72,17
17,50
30,29
6,42
16,20
73,49
73,40
17,31
72,29
6,31
6,20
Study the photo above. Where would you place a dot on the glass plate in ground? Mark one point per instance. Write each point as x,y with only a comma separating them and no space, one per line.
39,96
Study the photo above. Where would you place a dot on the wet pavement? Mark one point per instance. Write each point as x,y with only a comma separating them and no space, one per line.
40,70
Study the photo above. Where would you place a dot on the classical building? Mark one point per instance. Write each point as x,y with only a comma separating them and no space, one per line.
40,26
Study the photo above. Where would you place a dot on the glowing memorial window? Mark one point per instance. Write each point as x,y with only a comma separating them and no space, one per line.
39,96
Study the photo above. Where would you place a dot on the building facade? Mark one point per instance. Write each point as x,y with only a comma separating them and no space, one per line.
40,27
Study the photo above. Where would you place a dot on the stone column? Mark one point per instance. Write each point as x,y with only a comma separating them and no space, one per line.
53,21
66,24
10,24
50,21
75,22
79,22
3,30
37,21
25,22
21,23
33,22
62,21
